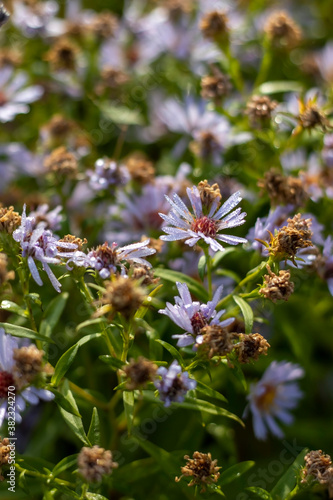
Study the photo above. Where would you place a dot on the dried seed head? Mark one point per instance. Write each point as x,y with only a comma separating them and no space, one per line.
277,287
124,296
104,25
61,162
177,7
5,275
4,454
215,87
283,190
214,26
62,55
282,31
311,116
143,274
139,373
290,238
9,220
208,194
318,467
217,341
94,463
28,364
10,57
140,169
201,469
111,78
251,347
70,238
59,127
259,109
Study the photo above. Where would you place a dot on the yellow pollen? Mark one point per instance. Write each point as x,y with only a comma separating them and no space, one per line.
266,400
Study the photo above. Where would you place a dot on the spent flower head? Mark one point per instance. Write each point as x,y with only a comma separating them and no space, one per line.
94,463
277,286
201,469
319,468
205,223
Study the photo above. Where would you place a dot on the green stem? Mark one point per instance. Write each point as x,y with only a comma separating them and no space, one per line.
234,69
209,272
265,64
45,477
88,397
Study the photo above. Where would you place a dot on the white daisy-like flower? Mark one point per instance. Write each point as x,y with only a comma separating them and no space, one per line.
29,394
192,316
272,398
183,225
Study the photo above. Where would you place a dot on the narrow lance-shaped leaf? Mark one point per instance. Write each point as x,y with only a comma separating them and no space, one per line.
74,422
246,311
26,333
94,433
52,314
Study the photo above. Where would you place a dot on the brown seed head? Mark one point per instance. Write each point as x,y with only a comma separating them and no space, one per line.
61,162
283,190
9,220
124,296
143,273
139,373
311,116
94,463
277,287
111,78
318,467
10,57
208,194
214,26
28,364
259,109
59,127
251,347
290,238
140,169
201,469
104,25
4,452
217,341
70,238
282,31
63,55
215,87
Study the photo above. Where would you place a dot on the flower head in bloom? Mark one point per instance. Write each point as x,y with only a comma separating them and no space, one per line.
107,174
14,95
273,396
193,316
13,363
174,384
40,244
205,223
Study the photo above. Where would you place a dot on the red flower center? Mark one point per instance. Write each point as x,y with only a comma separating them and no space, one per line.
204,225
3,98
198,322
6,379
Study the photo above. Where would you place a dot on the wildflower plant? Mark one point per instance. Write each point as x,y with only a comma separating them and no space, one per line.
166,256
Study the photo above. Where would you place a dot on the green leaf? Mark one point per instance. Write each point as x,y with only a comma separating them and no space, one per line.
208,391
162,457
256,492
68,357
73,422
63,402
94,434
52,314
94,496
114,363
246,311
221,254
8,305
122,115
238,373
235,471
288,481
173,276
173,351
20,331
202,267
280,86
136,470
64,464
89,322
128,398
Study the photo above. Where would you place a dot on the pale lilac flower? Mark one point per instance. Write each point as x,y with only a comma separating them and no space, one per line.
174,384
272,398
266,225
327,152
40,244
326,269
107,174
51,218
38,19
192,316
15,95
29,394
325,62
183,225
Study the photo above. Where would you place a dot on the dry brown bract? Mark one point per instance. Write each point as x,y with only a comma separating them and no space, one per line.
320,468
10,57
94,463
217,341
214,26
104,25
251,347
5,275
62,55
139,373
290,238
282,31
140,169
201,468
215,87
70,238
277,287
259,110
9,220
4,454
61,162
282,189
123,296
